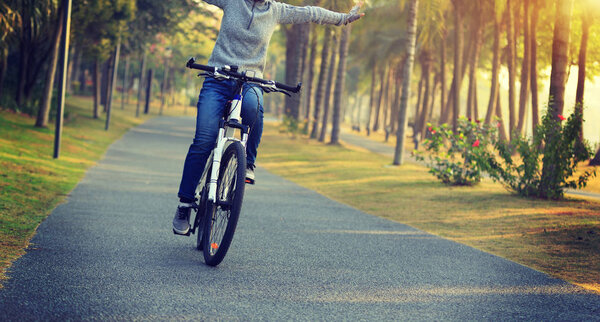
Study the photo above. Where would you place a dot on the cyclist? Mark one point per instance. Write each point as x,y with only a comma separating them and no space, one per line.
243,39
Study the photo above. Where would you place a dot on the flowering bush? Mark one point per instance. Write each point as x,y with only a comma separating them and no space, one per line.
547,162
459,158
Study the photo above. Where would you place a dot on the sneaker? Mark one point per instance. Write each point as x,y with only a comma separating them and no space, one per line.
181,222
250,173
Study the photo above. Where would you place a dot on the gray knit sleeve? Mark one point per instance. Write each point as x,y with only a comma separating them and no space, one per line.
288,14
219,3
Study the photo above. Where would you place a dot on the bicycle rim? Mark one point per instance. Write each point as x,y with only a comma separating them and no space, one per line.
222,216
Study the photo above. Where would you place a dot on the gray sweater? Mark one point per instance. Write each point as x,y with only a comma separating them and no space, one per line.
247,28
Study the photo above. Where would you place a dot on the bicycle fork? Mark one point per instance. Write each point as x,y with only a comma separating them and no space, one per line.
226,134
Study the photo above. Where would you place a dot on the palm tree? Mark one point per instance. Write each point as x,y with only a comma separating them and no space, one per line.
339,85
413,6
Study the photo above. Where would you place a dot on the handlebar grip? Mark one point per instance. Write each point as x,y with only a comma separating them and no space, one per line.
289,88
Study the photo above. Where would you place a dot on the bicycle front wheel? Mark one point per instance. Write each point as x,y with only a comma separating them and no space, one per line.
222,215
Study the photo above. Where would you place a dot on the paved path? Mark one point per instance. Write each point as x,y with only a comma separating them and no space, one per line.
108,254
388,151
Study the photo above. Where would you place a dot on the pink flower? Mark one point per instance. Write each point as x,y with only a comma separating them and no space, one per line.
560,117
476,143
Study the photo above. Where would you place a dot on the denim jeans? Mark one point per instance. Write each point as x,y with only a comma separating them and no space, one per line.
211,107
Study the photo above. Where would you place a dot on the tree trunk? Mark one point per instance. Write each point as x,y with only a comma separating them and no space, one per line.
148,91
320,93
410,58
397,96
495,71
3,66
371,98
328,88
113,80
25,46
458,43
560,58
76,72
560,47
125,90
385,106
420,86
44,109
501,126
163,88
310,76
524,94
472,106
535,116
443,73
141,84
380,98
304,44
511,67
425,109
339,85
293,68
585,28
96,81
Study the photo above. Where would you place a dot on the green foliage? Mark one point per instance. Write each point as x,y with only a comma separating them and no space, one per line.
293,127
459,158
547,162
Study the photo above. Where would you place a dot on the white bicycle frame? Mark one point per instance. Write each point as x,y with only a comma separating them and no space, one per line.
224,138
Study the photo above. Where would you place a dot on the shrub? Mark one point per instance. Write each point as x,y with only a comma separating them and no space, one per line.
459,158
546,162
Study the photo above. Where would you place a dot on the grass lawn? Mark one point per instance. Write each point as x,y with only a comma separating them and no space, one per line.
32,183
561,238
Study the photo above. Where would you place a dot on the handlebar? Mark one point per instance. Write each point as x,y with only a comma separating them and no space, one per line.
232,72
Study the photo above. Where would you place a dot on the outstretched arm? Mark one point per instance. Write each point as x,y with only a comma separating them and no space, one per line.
288,14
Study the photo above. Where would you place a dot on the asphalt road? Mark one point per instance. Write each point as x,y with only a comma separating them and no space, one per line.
108,253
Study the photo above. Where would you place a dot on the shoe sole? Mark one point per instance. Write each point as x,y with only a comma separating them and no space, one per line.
249,181
181,232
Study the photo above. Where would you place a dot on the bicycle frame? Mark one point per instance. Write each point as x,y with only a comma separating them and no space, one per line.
225,136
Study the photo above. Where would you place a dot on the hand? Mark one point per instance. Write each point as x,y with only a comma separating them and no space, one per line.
353,15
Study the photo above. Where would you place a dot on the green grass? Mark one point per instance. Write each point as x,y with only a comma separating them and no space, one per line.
559,238
32,183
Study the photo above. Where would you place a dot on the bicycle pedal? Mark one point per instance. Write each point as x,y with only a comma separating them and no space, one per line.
188,233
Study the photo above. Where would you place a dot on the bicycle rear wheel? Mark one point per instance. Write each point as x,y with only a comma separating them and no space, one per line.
222,215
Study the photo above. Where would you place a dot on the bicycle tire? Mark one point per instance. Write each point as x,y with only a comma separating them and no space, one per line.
200,217
222,215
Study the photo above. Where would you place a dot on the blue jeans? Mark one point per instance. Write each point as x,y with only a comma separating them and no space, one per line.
211,107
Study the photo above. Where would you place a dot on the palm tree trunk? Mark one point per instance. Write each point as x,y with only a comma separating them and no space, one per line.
458,43
535,116
425,109
560,47
380,98
585,28
125,90
339,85
310,76
524,94
410,58
96,81
495,70
141,84
321,83
328,88
501,126
511,67
293,67
443,74
371,98
44,109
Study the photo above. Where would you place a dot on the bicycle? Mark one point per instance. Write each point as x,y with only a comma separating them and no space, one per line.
220,193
